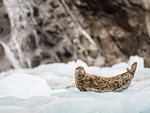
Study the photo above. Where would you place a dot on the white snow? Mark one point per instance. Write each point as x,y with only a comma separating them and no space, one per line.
23,85
50,89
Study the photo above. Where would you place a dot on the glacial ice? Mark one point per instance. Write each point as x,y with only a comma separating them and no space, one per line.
50,89
23,85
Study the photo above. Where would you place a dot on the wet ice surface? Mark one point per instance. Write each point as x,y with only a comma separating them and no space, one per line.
51,89
129,101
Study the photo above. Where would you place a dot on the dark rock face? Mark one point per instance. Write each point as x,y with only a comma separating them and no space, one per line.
35,61
5,28
2,52
100,32
49,38
120,26
4,23
59,39
147,62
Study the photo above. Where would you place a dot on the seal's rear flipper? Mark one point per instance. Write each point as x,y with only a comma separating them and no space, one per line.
133,68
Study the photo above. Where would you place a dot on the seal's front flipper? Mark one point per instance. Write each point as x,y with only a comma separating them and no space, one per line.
127,69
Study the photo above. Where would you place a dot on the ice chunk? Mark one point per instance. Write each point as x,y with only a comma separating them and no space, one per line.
35,83
130,101
10,109
23,85
137,59
61,75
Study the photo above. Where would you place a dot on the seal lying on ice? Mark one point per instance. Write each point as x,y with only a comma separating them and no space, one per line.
88,82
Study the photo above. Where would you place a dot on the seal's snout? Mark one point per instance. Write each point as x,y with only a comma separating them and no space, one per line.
80,70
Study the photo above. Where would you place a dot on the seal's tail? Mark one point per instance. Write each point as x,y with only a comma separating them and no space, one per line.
133,68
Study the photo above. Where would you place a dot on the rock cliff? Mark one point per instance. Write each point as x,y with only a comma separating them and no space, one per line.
100,32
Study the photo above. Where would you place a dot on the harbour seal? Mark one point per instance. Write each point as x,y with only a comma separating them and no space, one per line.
88,82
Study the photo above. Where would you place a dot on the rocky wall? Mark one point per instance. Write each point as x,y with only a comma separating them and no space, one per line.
100,32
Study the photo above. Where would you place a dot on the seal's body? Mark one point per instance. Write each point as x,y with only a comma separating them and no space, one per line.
88,82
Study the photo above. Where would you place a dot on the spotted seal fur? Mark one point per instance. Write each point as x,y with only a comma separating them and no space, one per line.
89,82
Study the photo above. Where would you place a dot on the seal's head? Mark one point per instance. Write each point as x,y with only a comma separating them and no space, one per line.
80,71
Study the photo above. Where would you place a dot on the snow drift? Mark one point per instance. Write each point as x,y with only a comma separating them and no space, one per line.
51,89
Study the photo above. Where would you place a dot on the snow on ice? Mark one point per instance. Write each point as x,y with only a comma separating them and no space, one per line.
50,89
